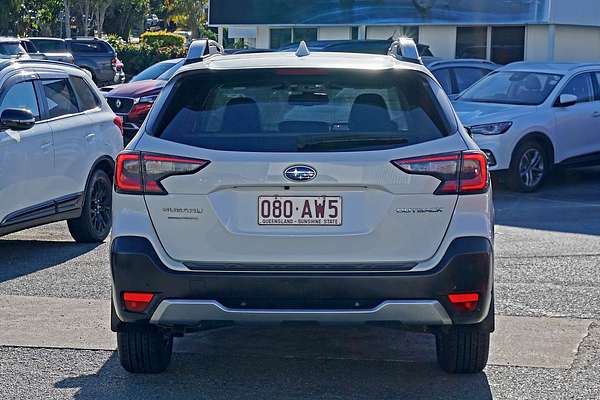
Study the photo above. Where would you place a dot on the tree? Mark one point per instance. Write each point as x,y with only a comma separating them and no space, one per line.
100,11
85,11
67,17
191,12
125,15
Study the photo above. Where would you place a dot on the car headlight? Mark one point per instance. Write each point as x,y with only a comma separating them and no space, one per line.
490,129
147,99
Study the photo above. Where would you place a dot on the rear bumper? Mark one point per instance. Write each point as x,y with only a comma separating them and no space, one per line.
190,298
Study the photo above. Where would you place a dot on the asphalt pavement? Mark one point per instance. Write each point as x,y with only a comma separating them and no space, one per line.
55,342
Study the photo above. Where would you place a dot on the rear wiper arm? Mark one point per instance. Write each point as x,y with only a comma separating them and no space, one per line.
352,141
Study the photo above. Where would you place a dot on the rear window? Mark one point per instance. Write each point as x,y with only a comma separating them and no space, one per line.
90,47
50,46
303,110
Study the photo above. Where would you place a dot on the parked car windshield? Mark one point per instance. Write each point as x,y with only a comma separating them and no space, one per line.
168,74
153,72
304,110
512,87
8,50
50,46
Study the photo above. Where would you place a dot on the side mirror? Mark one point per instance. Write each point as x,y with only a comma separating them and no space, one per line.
17,119
566,100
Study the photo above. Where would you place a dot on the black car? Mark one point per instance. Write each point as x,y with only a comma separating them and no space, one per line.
98,57
457,75
370,46
54,49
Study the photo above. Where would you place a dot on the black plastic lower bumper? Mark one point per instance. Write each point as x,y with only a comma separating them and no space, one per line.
467,266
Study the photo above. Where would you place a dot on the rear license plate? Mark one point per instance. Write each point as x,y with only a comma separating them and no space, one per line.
300,210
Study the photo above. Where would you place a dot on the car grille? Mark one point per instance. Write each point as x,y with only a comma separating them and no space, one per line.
120,105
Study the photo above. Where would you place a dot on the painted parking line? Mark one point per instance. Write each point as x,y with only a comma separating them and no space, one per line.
84,324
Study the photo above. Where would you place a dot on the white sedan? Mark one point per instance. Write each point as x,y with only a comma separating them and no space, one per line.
530,117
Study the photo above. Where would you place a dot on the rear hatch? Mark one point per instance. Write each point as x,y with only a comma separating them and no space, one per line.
295,167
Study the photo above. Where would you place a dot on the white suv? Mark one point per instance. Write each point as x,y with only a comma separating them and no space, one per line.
530,117
323,187
58,143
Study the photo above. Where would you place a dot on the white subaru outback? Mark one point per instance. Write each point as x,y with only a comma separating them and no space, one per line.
58,144
278,187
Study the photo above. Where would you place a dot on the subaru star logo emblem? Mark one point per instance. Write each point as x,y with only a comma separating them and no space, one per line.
118,103
300,173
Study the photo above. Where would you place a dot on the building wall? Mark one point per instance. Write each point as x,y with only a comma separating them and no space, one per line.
441,40
334,33
536,43
263,37
577,43
575,12
382,32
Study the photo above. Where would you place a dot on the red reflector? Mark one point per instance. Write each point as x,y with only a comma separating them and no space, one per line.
137,301
464,301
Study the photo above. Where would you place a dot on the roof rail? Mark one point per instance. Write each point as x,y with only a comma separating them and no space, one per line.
51,62
202,48
405,49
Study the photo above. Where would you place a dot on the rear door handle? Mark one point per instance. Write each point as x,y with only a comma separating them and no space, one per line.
596,114
90,137
46,147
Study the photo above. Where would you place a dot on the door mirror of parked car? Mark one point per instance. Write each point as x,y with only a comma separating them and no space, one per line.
566,100
17,119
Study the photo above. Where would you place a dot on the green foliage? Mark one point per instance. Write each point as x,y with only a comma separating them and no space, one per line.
115,41
138,57
161,39
206,33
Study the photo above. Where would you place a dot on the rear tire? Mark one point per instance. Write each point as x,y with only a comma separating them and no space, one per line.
95,222
145,350
463,349
529,167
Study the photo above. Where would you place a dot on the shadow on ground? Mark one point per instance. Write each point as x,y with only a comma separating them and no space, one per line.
568,202
23,257
290,363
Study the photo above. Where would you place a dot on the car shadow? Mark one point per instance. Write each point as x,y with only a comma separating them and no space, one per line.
23,257
568,202
290,363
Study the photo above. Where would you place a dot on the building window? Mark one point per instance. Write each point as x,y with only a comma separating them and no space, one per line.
508,44
306,34
280,37
471,42
354,33
284,36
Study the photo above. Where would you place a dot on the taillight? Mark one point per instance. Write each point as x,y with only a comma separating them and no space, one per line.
460,173
113,61
142,173
119,123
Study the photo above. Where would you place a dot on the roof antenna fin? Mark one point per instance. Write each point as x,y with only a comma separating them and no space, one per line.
302,50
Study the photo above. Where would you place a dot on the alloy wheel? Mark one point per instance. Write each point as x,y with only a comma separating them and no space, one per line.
531,167
100,206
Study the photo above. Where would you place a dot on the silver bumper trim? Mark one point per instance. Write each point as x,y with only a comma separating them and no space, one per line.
192,312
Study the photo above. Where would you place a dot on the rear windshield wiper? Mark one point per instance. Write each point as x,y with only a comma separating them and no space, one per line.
350,141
